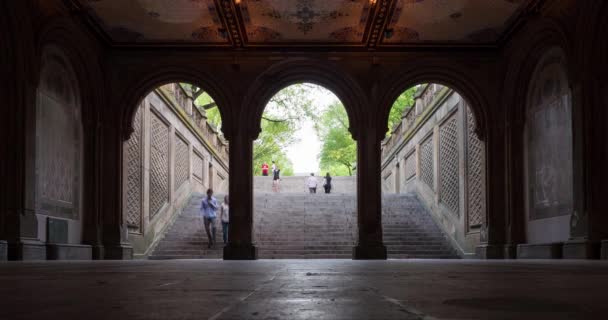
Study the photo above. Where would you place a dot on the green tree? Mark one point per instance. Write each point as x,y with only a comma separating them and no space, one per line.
339,151
280,121
403,102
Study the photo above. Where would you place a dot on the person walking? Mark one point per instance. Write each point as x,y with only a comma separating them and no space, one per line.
265,169
276,177
208,207
274,168
327,183
225,218
311,182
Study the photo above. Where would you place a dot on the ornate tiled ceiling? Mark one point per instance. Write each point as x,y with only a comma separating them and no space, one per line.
303,23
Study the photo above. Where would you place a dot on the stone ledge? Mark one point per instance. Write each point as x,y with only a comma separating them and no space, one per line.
489,251
26,250
540,251
3,250
369,252
57,251
118,252
240,252
510,251
581,249
604,250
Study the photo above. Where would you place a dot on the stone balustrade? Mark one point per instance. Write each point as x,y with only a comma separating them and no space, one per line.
184,101
426,97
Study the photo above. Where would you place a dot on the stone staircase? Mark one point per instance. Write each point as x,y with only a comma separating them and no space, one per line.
409,230
186,238
318,226
297,226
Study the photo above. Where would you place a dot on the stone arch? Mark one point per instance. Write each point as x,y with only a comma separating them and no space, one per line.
525,52
59,156
540,37
62,33
548,151
148,82
292,71
403,79
77,48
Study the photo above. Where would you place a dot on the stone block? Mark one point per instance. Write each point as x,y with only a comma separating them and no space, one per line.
604,254
369,252
540,251
56,230
240,252
581,249
27,250
3,250
68,252
510,251
489,251
118,252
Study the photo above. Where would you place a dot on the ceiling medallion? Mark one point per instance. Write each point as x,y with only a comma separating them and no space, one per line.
305,15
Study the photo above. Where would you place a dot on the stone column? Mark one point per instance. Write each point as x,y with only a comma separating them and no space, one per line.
240,242
589,221
369,198
493,230
115,232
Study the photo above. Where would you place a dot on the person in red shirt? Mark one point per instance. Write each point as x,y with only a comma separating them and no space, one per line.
265,169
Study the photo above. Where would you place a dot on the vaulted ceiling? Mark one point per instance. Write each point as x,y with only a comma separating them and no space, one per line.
365,24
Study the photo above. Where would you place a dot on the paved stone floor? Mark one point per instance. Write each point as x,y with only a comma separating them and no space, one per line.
304,289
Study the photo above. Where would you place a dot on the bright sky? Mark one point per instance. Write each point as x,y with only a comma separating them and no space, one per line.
304,153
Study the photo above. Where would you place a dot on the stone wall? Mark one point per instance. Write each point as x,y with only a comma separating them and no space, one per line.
56,184
436,153
548,153
167,158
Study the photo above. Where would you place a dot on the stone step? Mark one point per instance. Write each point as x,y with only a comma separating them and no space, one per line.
302,226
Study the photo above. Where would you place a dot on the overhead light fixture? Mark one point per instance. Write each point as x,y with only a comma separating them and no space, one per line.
237,2
372,2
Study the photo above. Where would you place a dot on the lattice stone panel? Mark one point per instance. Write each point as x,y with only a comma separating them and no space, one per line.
159,164
197,166
410,166
426,162
182,162
475,174
133,159
448,164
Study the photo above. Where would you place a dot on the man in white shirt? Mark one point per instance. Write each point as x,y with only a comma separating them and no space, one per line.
311,182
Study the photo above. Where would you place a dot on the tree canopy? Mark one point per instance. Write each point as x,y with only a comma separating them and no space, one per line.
339,151
280,121
403,102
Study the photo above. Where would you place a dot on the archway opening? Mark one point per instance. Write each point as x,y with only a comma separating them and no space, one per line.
175,153
433,175
304,176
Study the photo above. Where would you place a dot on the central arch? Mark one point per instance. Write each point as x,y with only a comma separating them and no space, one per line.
292,71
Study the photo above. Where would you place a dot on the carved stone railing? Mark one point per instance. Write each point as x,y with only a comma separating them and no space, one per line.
183,100
423,100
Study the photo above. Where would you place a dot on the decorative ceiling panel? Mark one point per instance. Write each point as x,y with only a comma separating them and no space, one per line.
463,21
140,21
372,24
306,21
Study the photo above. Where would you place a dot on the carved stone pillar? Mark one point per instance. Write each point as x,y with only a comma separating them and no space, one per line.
18,222
240,238
369,198
589,222
115,232
493,229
